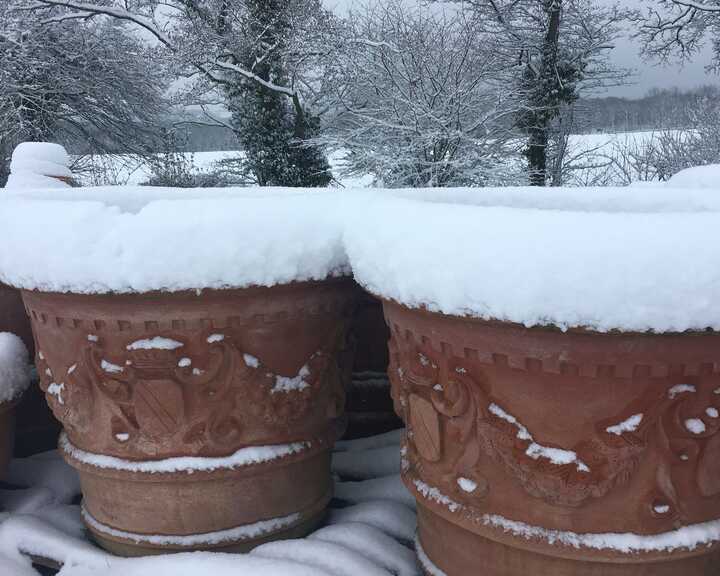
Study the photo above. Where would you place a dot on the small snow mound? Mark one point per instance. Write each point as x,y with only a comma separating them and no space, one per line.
697,177
38,165
14,367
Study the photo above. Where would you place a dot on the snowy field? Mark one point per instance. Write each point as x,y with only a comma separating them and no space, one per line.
590,155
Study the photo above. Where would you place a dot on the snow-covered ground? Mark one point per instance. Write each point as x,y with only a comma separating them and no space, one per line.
129,170
369,530
590,154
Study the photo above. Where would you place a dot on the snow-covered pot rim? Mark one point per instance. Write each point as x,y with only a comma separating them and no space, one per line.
551,328
139,240
652,268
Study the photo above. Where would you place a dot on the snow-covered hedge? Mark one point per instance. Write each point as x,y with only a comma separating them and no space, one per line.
99,240
636,258
14,367
632,259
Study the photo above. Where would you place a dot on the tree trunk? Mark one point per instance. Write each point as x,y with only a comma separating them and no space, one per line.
537,155
539,133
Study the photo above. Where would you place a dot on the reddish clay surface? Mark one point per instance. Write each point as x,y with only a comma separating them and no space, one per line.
253,367
477,395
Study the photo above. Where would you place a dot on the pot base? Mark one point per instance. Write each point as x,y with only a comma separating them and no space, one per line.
131,549
446,549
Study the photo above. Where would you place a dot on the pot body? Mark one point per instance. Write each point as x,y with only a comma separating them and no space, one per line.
530,450
204,377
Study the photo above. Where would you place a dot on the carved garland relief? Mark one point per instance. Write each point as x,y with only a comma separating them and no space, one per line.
156,392
454,422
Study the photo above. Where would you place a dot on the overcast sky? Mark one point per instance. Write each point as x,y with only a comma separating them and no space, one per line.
626,54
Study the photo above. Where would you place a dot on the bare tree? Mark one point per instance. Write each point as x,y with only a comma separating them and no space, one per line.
679,28
95,87
554,50
418,98
264,55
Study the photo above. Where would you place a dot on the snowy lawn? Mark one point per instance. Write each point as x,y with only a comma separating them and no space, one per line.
589,154
369,529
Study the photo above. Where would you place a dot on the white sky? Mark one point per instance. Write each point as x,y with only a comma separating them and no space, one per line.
626,54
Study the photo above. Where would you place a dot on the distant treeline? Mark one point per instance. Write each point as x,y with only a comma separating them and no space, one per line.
658,110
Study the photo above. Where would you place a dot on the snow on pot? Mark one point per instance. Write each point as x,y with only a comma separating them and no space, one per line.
556,358
33,165
14,380
189,343
39,165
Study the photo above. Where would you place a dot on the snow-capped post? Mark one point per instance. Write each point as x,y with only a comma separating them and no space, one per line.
556,358
39,165
14,380
194,361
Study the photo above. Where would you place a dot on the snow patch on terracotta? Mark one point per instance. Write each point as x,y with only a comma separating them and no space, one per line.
184,362
680,389
57,390
213,338
712,412
695,425
432,493
246,532
293,384
251,361
111,368
189,464
156,343
629,425
467,485
688,537
536,451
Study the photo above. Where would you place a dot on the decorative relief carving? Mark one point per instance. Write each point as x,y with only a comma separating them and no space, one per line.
157,394
456,426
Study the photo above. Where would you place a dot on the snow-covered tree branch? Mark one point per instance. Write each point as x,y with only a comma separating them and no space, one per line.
260,54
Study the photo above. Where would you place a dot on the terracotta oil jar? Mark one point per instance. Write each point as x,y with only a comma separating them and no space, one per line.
550,453
197,421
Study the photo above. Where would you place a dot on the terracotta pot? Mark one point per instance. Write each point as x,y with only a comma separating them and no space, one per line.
524,445
7,435
242,385
37,430
369,404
